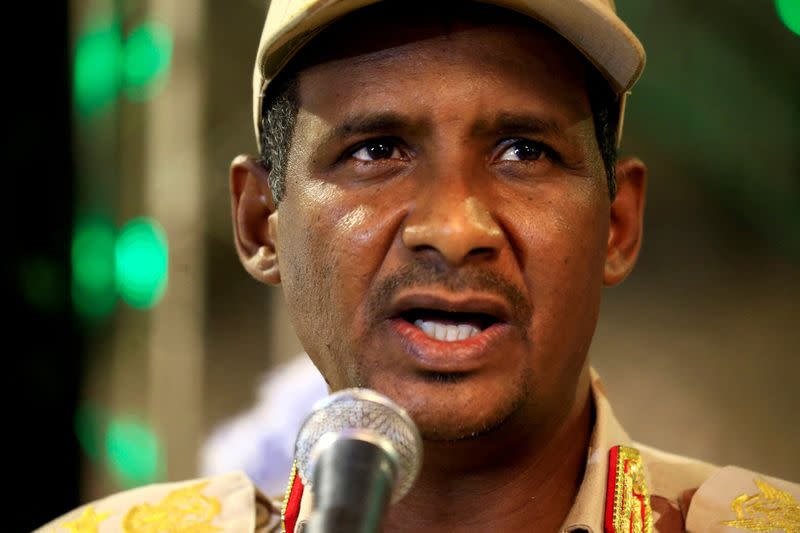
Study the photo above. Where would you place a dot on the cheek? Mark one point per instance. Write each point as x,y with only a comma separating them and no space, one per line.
329,252
563,232
577,241
564,251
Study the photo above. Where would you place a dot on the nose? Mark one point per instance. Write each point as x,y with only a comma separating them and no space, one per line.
450,221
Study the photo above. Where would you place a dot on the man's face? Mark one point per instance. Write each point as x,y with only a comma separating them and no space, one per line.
445,225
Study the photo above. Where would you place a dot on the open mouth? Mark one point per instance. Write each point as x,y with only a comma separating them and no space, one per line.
448,326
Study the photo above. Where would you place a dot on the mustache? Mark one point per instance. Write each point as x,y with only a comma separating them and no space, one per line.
427,272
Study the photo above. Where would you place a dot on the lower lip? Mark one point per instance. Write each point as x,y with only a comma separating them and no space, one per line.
465,355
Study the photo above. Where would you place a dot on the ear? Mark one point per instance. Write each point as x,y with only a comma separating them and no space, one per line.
255,219
627,215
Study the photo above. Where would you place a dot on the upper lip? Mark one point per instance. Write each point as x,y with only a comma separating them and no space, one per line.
482,303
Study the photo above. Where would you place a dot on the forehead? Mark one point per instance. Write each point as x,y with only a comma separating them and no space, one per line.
483,55
497,37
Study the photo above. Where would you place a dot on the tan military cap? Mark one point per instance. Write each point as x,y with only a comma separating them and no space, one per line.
591,25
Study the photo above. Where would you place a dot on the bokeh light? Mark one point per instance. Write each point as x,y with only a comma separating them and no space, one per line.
789,12
93,293
97,69
41,281
90,421
133,452
141,263
148,53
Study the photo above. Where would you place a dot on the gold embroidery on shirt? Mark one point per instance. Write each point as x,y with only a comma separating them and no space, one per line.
89,521
182,511
631,503
768,510
286,496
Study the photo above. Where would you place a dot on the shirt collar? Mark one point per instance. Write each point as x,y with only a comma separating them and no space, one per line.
588,511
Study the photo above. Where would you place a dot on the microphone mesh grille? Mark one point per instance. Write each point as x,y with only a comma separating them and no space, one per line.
362,409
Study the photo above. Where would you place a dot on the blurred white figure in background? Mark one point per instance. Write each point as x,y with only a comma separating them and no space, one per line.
260,441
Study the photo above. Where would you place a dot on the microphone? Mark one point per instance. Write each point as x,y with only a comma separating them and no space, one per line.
357,452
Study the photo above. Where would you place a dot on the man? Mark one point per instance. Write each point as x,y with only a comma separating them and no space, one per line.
439,197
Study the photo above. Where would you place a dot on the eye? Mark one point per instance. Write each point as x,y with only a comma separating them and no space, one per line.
523,150
374,150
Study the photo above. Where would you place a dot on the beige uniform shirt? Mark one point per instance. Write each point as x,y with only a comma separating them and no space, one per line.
683,495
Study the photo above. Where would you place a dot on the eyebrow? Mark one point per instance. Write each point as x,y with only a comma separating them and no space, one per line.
517,123
504,123
371,123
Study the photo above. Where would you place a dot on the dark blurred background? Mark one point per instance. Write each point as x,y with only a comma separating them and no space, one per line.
135,332
44,347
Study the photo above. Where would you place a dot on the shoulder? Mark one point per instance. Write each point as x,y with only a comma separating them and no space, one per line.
228,502
736,499
691,495
671,475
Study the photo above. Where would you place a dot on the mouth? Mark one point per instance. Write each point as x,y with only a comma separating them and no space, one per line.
451,334
449,326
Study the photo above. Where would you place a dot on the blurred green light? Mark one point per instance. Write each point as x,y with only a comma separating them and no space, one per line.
148,53
141,263
42,283
97,68
93,291
89,423
133,452
789,12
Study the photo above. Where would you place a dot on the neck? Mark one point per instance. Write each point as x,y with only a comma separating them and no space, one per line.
505,481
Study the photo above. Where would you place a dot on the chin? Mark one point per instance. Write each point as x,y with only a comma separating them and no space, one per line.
451,430
453,408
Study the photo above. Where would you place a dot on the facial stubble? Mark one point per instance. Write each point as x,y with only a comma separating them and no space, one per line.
426,271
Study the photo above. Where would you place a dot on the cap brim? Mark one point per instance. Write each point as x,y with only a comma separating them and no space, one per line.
590,25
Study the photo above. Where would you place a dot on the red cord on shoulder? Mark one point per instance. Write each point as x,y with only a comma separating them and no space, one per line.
613,458
293,505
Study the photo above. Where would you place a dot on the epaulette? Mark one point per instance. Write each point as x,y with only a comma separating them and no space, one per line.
228,502
734,500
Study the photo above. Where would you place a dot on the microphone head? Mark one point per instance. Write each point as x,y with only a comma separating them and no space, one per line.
362,414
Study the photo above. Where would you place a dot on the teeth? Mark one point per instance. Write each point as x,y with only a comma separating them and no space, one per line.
446,332
464,331
452,333
428,327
